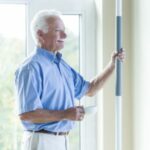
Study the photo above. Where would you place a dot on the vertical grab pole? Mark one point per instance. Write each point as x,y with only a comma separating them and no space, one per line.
118,102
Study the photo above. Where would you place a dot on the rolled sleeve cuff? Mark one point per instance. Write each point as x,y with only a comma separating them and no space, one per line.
84,90
30,107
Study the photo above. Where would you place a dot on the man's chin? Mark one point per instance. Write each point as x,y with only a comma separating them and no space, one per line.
60,48
57,50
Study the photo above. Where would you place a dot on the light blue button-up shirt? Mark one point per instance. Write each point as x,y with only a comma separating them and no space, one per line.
46,81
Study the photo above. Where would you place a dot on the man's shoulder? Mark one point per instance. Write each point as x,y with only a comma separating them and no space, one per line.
29,63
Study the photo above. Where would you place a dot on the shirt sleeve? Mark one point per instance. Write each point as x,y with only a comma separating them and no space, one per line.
27,86
81,85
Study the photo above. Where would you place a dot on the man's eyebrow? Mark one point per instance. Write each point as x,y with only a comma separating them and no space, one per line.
62,29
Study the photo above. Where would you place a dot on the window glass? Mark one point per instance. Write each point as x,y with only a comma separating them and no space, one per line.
12,52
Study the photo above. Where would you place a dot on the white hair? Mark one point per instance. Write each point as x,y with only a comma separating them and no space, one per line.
39,21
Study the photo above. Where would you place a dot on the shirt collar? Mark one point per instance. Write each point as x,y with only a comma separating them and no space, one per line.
50,55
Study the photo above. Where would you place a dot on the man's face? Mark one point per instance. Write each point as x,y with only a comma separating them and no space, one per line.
53,40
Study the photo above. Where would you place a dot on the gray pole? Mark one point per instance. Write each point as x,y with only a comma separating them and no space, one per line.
118,103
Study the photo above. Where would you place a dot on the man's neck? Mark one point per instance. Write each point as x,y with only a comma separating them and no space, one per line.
50,50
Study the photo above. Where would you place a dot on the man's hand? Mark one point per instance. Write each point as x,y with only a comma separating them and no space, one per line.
74,113
98,82
118,55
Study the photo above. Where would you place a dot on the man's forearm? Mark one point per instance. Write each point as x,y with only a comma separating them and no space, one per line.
43,116
98,82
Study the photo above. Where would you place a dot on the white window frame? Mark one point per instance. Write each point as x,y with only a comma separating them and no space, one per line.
14,1
88,53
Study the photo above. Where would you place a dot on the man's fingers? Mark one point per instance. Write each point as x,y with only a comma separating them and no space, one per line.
81,109
80,113
119,55
81,118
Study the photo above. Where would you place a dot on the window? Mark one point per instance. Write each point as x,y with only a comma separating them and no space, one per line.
12,48
80,23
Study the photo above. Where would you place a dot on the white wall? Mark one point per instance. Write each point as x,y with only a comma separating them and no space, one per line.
136,95
141,73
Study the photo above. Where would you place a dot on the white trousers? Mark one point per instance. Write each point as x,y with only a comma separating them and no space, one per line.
44,141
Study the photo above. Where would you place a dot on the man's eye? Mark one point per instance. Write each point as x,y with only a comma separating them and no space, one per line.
57,30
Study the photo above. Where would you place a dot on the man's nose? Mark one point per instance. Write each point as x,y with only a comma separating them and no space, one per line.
64,35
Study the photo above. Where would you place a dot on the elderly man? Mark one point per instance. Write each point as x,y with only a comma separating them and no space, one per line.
47,87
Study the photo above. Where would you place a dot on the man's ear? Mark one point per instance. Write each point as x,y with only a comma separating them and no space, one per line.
40,35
